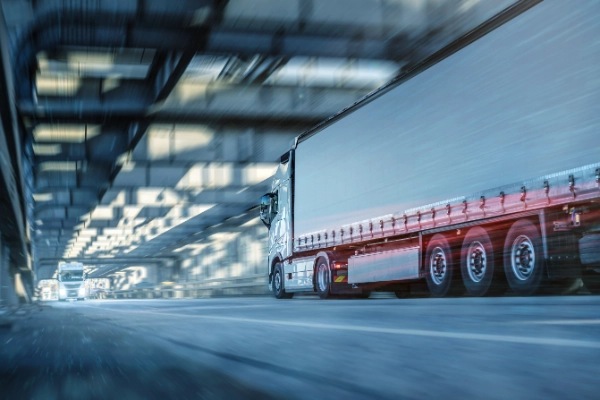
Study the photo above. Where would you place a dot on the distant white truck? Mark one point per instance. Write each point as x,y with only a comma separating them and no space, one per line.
71,281
46,293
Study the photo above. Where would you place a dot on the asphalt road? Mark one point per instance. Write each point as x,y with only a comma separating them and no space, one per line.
305,348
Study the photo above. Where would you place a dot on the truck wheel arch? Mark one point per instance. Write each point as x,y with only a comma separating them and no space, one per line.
276,259
328,256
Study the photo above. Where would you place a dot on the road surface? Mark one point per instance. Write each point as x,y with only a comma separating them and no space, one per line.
305,348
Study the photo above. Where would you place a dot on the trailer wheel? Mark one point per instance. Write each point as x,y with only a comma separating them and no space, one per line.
364,295
591,280
477,262
277,284
323,279
439,266
523,264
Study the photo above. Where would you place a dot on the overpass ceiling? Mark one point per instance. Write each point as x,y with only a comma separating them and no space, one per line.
148,123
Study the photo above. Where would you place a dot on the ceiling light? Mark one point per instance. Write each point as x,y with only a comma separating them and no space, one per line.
47,149
42,196
72,133
63,166
57,85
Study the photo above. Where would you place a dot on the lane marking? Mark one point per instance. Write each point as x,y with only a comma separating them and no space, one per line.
561,322
396,331
208,307
183,308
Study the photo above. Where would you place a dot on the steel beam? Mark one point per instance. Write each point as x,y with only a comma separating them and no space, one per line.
102,149
190,117
86,176
166,72
211,40
12,203
200,103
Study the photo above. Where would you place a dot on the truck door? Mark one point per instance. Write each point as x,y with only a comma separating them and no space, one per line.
279,237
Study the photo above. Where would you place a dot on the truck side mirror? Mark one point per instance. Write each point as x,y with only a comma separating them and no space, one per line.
265,209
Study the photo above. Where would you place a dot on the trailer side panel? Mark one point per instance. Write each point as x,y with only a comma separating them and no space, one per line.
521,102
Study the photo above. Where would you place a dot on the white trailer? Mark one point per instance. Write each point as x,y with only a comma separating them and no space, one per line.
71,281
477,170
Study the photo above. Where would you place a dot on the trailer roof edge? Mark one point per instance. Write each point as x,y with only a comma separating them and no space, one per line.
463,41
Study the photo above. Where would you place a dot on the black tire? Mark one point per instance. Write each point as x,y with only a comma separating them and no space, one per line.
477,264
323,279
591,280
561,286
277,284
523,258
365,294
403,292
439,267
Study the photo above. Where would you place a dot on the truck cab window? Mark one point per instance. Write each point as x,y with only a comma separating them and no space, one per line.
268,208
275,204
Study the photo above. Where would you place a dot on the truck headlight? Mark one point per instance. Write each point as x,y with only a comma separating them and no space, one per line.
62,292
81,292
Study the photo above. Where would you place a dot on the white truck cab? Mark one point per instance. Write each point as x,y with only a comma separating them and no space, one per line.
71,281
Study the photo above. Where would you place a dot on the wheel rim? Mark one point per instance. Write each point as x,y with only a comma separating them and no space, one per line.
322,278
437,265
477,261
523,257
277,282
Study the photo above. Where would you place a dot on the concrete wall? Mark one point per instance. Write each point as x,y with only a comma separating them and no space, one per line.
240,252
223,261
134,277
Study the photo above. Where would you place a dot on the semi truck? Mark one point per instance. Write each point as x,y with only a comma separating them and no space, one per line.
71,281
476,170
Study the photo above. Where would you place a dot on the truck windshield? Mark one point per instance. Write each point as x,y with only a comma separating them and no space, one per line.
71,276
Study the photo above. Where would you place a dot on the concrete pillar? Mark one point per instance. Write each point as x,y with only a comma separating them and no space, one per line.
7,285
21,285
176,268
152,274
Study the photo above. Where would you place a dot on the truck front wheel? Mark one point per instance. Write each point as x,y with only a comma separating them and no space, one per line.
523,264
439,266
322,278
278,288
